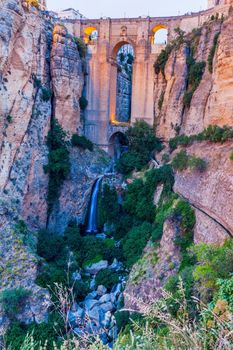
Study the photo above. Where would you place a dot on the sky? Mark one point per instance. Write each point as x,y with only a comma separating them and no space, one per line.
128,8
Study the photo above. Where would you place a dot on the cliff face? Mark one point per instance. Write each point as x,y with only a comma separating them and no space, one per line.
211,100
36,60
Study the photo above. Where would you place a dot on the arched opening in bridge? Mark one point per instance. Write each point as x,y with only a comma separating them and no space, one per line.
159,38
124,61
90,35
118,144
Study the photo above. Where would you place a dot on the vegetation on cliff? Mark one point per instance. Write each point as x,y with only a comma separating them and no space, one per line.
141,143
58,167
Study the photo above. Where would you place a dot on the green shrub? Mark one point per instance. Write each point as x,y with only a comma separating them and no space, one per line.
212,52
82,142
46,94
131,161
72,236
43,333
107,278
13,301
197,164
58,166
225,291
141,144
181,140
165,158
213,263
213,133
134,243
180,161
231,156
49,245
195,73
82,48
9,119
162,59
183,161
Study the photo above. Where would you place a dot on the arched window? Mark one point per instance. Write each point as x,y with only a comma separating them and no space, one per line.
90,35
160,34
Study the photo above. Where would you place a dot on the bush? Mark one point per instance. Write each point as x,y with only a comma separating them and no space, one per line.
134,243
107,278
43,333
231,156
13,301
162,59
213,263
213,133
49,245
46,94
212,52
180,161
58,166
9,119
141,143
82,48
82,142
195,73
183,161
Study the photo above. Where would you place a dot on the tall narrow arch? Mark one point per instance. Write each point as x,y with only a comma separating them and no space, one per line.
123,55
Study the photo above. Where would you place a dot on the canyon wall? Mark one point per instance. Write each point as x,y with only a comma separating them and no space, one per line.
41,78
211,102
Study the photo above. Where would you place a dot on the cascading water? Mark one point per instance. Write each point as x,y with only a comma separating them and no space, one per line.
92,225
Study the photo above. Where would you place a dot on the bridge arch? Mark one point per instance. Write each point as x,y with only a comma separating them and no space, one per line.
117,144
121,77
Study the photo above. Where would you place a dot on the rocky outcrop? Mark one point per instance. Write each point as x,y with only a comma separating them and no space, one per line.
67,79
211,191
149,276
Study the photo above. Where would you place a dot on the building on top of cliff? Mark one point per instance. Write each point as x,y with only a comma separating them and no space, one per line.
70,14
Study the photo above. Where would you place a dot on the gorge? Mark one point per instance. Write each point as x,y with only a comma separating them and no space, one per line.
139,257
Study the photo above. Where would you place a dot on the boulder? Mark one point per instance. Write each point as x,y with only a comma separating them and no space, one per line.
92,295
94,315
107,307
106,298
90,303
101,290
95,268
106,320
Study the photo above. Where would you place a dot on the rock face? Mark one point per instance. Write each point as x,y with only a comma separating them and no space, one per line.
211,100
67,79
151,273
210,192
34,60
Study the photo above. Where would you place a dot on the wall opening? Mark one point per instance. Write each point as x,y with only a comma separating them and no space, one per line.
159,38
124,61
90,35
118,144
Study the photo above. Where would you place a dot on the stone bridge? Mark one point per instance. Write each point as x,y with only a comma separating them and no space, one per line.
100,88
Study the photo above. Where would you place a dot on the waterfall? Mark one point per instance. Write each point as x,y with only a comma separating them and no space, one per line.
92,225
